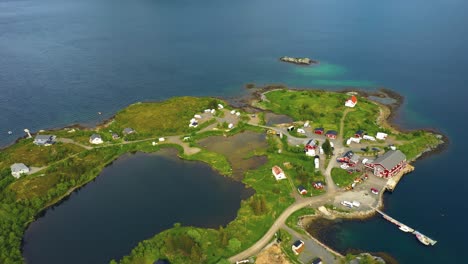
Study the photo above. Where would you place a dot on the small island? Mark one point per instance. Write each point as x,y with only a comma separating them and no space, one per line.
302,61
335,159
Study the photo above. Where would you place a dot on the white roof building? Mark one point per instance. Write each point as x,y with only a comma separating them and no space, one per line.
381,136
18,169
95,139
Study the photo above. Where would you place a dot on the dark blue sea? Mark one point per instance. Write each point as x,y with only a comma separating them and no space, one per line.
62,61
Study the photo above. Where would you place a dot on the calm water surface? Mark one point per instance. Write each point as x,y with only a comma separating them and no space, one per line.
62,61
134,198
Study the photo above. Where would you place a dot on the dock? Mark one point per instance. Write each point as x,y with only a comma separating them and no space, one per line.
393,181
421,237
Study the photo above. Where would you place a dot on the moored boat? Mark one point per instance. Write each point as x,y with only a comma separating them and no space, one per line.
424,239
405,228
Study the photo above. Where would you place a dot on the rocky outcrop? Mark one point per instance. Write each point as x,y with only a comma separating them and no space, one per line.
303,61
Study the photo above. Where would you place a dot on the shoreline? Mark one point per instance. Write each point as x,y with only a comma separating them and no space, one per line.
248,104
387,120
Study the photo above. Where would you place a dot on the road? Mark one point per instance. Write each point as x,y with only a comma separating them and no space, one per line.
280,221
301,203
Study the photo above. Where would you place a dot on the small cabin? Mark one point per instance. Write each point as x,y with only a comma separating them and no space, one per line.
44,140
331,134
19,169
297,247
319,130
95,139
128,131
351,102
359,134
302,190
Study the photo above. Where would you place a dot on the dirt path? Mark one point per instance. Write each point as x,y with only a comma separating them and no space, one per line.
260,244
71,141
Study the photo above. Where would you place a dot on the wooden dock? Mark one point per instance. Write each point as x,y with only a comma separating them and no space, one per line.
421,237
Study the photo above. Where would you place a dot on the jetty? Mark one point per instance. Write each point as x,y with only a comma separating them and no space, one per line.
421,237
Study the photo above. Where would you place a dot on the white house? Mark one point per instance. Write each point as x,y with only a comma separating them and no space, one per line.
381,136
18,169
207,111
310,153
193,123
162,139
220,106
237,113
371,138
44,140
300,130
95,139
233,112
307,124
351,102
353,139
231,125
197,116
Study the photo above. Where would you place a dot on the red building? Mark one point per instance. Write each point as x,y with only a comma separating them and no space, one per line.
331,134
389,164
319,130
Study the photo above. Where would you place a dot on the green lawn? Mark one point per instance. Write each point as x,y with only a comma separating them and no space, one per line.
165,118
322,109
294,218
342,178
37,156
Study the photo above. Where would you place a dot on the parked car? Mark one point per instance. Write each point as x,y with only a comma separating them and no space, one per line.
374,191
317,261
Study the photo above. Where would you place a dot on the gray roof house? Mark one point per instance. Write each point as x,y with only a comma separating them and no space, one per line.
95,139
44,140
18,169
389,163
128,131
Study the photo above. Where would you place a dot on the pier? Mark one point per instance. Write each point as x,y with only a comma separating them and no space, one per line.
421,237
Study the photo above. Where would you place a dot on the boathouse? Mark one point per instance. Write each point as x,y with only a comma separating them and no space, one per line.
389,164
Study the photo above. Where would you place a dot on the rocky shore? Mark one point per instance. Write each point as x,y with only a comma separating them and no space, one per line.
302,61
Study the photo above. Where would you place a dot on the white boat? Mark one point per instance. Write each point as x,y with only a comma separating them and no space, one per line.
424,239
406,229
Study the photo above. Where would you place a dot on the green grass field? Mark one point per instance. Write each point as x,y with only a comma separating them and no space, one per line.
342,178
166,118
322,109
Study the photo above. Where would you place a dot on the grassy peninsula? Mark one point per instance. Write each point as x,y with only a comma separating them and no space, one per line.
73,161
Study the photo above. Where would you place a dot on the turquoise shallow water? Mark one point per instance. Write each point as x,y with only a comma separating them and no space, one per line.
62,61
